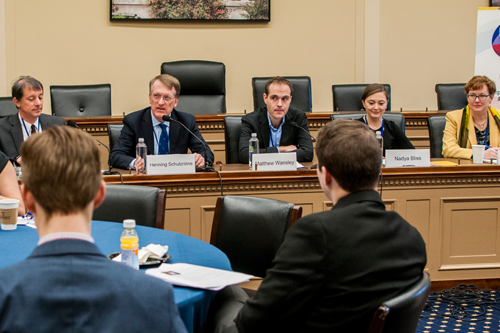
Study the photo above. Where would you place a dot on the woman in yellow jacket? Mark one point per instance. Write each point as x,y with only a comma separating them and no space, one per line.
477,123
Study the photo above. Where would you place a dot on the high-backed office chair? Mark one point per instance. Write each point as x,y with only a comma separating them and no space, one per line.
402,313
436,125
203,85
114,131
86,101
451,96
347,97
301,96
397,118
249,230
232,133
7,106
144,204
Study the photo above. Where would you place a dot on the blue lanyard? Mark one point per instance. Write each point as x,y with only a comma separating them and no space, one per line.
27,129
382,133
486,135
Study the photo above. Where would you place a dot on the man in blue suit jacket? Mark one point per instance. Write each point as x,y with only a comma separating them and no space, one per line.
146,123
66,284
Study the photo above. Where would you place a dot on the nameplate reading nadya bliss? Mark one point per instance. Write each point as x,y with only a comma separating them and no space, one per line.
170,164
275,162
407,157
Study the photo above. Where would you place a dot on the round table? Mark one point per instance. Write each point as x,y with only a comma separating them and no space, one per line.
193,304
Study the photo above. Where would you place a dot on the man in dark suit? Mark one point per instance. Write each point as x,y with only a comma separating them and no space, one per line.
67,284
148,124
336,267
277,124
27,94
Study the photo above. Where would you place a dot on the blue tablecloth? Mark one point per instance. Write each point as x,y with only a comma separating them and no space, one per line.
193,303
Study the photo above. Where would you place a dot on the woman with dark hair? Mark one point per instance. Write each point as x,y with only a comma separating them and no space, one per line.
375,98
9,189
476,124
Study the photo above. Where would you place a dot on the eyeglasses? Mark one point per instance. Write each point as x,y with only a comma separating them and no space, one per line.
481,97
166,98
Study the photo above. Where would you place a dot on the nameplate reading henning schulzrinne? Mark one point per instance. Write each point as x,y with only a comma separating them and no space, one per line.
170,164
275,162
407,157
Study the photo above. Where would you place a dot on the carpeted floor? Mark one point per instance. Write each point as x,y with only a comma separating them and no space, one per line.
465,308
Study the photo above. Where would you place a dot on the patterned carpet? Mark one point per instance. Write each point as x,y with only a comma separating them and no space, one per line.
465,308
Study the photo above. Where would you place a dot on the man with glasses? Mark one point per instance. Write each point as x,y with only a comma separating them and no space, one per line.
277,124
161,137
476,124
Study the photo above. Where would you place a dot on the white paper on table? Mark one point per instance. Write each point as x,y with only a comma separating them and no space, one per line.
195,276
26,222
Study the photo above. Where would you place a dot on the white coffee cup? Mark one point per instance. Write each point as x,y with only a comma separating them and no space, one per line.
498,159
8,214
478,154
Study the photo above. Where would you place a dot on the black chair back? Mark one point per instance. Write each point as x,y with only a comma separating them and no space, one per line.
7,106
81,101
114,131
249,230
402,313
451,96
347,97
232,133
203,85
144,204
301,96
396,117
436,125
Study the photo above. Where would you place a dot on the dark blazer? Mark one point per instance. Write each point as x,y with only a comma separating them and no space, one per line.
335,268
67,285
394,138
257,122
140,125
11,132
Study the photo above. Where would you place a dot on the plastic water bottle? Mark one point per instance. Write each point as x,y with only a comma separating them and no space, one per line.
130,244
253,148
381,142
141,151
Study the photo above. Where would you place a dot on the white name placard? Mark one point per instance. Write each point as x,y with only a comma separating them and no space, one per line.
170,164
275,162
407,157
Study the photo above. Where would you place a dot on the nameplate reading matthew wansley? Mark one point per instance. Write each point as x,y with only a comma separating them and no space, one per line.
171,164
275,162
407,157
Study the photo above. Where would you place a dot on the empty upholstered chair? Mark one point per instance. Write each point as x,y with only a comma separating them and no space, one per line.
436,125
203,85
114,131
451,96
232,132
85,100
7,106
301,96
347,97
249,230
144,204
402,313
397,118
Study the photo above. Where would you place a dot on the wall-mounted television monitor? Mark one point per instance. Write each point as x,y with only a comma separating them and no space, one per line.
197,10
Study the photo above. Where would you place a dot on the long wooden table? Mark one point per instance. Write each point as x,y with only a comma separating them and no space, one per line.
455,208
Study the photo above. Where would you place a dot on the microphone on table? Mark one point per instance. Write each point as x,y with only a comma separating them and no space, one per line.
297,125
206,168
71,123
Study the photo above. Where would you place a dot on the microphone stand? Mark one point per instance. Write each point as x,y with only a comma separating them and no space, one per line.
106,172
206,168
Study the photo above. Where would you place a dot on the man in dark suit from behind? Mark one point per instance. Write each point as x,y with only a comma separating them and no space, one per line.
27,94
277,124
164,91
67,284
336,267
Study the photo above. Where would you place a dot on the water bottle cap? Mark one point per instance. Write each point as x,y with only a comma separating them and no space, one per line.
141,139
129,224
254,135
